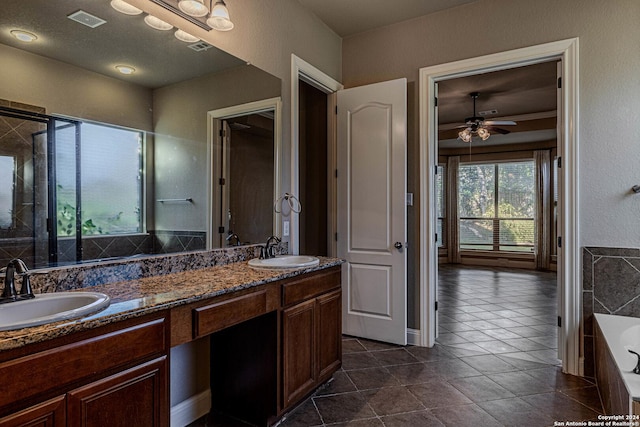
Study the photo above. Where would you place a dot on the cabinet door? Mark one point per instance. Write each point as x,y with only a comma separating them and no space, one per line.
47,414
329,338
298,351
135,397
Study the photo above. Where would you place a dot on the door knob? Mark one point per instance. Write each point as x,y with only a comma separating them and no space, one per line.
398,245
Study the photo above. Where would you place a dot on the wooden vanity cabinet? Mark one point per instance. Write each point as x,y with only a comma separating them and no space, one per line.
115,375
311,333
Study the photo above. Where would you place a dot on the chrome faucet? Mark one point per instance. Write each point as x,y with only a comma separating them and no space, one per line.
267,250
9,293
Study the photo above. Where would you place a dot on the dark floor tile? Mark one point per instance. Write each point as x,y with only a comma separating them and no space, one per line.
474,336
497,346
465,416
352,346
560,407
480,389
465,349
370,422
555,378
451,368
343,407
524,332
455,327
412,419
436,352
358,361
437,394
340,383
365,379
398,356
304,415
521,384
516,412
588,396
449,338
413,373
489,363
371,345
392,400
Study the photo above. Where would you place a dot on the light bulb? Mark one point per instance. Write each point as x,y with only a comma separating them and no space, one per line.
193,7
24,36
124,7
125,69
157,23
219,18
465,135
185,37
484,134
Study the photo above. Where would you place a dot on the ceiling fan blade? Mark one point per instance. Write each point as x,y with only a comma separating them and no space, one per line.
500,122
497,130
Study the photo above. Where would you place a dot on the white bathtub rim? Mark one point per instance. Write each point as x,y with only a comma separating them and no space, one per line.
612,327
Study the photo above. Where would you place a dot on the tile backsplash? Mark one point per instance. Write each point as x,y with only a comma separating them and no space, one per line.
610,285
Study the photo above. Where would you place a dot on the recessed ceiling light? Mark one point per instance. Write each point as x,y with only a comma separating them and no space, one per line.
186,37
124,7
24,36
125,69
157,23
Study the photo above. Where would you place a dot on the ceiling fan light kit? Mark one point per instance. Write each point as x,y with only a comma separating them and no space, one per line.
478,126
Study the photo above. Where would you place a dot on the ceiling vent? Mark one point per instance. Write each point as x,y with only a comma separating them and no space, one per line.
200,46
487,112
86,19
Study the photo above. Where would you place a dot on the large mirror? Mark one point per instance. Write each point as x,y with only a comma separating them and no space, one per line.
97,164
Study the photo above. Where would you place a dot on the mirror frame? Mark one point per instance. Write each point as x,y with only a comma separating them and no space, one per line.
214,121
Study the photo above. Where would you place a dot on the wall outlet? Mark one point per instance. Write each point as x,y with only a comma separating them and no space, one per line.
285,229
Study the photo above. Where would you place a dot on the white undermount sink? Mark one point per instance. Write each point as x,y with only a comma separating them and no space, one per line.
285,261
48,308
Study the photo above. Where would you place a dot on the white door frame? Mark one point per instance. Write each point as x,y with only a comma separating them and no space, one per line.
302,70
214,121
569,267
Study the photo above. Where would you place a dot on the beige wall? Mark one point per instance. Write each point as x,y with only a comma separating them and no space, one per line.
266,33
180,123
609,61
63,89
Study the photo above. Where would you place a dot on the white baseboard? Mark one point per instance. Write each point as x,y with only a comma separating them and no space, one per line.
413,336
189,410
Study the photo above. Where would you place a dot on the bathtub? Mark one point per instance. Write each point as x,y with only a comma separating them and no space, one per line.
619,387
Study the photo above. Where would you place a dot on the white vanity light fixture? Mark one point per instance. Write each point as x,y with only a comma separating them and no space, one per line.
219,18
125,69
195,8
185,37
124,7
24,36
157,23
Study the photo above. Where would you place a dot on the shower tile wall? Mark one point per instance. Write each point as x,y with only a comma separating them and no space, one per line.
24,141
610,285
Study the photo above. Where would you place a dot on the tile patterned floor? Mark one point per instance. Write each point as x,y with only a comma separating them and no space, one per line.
494,364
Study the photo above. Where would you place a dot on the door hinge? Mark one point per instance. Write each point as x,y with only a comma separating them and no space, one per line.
559,322
436,237
436,307
336,173
221,229
559,162
222,133
49,227
559,82
559,241
435,101
335,236
336,110
221,181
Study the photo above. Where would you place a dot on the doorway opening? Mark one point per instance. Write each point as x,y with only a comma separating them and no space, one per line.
568,263
314,177
245,152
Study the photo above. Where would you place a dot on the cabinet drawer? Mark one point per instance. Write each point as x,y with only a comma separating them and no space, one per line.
52,369
214,317
309,287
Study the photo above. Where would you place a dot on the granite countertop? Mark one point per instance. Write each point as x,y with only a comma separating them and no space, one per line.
135,298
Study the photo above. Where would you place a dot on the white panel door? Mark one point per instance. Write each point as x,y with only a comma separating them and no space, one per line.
372,185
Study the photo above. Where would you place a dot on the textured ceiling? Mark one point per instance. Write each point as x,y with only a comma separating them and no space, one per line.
159,58
348,17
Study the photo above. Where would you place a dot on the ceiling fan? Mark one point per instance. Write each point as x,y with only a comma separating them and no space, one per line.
477,125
